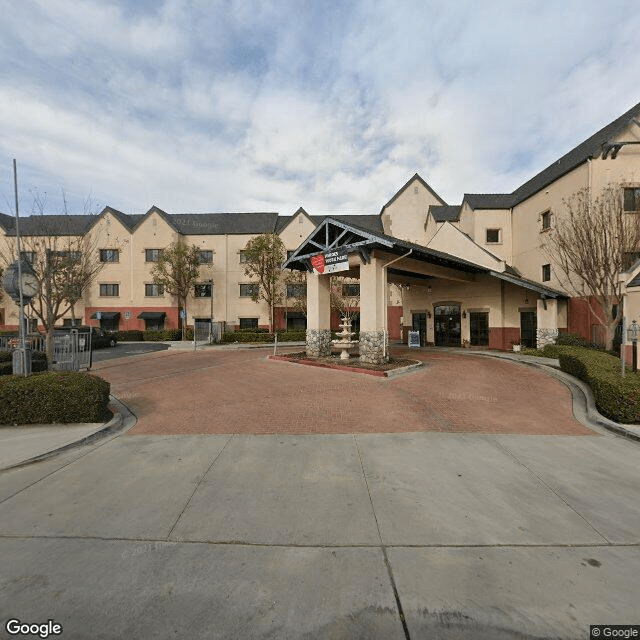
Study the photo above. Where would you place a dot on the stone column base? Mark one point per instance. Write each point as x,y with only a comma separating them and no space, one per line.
318,343
372,347
545,337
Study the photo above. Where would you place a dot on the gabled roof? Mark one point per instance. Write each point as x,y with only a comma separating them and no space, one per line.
157,210
127,221
283,221
54,225
635,282
445,212
407,185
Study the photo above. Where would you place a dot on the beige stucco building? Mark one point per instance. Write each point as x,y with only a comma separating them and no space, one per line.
471,273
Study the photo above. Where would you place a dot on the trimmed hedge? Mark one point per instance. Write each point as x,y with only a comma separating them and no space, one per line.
132,335
246,336
38,362
53,397
616,397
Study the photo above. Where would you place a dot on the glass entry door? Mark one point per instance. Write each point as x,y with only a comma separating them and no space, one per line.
447,325
419,323
528,328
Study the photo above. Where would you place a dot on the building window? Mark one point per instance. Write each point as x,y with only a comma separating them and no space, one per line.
493,236
479,327
29,256
296,290
64,256
109,290
632,199
70,322
205,256
152,255
203,290
243,257
249,290
153,290
154,324
109,255
351,290
248,323
546,272
546,220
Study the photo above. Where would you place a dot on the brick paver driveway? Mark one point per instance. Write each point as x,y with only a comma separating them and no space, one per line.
241,391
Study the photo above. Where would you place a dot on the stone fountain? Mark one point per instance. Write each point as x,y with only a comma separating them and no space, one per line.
344,342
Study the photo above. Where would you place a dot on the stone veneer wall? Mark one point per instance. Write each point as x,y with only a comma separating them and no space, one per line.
372,347
318,343
545,337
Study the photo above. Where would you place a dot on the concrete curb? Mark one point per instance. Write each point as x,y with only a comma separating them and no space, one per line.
123,420
587,412
338,367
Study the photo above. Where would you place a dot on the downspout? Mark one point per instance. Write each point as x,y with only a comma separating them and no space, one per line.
384,297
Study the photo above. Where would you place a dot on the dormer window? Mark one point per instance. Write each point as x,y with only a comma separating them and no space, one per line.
493,236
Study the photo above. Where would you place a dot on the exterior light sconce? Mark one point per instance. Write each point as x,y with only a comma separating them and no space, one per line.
429,290
633,332
428,314
464,314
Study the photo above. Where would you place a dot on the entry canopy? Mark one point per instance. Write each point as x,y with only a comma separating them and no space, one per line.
152,315
106,315
334,234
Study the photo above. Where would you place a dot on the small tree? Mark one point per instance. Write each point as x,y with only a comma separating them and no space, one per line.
177,271
589,245
263,255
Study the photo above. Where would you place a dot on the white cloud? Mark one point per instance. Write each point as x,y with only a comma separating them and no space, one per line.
244,105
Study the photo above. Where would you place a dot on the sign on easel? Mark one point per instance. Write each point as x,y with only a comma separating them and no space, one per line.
414,339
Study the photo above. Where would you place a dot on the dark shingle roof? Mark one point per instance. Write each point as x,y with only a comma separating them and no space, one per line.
635,282
366,222
445,213
56,225
489,200
194,224
590,148
6,222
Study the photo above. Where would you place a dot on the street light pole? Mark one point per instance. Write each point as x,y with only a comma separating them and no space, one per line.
23,346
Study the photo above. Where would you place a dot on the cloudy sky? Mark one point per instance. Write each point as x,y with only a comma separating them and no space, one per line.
234,105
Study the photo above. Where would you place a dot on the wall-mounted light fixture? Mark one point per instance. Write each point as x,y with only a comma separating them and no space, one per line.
428,314
429,290
464,314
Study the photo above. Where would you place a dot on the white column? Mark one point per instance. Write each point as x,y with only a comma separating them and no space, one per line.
318,315
373,311
547,321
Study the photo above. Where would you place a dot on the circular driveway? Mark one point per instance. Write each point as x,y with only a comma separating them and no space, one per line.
219,391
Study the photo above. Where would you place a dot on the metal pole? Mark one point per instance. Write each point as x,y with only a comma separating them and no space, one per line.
634,355
211,313
23,355
623,345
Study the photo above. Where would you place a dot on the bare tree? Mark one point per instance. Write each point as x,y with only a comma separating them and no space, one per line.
345,296
263,256
177,271
589,245
64,259
296,283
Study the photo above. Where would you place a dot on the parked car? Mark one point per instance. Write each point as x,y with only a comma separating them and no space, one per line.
99,337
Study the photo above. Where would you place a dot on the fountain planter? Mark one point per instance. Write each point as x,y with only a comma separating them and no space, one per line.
344,343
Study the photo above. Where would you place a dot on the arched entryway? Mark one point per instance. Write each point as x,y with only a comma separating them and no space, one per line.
447,325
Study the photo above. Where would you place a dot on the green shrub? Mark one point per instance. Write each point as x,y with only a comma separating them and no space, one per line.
38,362
291,336
153,336
131,335
245,336
571,340
53,397
616,397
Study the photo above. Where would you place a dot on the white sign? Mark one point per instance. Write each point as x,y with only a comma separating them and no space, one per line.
183,313
98,315
331,261
127,315
414,338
